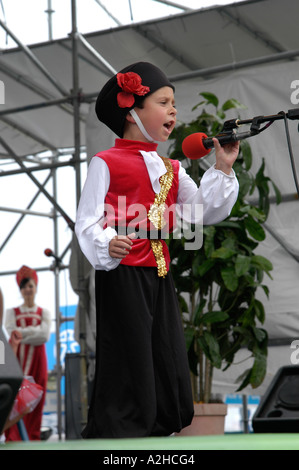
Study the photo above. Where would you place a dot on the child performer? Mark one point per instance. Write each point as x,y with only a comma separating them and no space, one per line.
29,327
142,383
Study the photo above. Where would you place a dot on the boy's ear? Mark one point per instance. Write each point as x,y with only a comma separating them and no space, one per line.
130,118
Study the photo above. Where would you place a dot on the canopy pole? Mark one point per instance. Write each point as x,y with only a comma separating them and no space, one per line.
57,263
34,59
174,5
49,12
95,53
234,66
23,215
108,13
38,184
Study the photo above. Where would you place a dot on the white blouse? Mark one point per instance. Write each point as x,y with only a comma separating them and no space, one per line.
217,194
34,334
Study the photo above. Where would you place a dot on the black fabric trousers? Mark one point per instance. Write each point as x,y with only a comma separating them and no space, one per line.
142,382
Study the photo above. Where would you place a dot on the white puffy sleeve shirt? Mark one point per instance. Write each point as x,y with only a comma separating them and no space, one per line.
217,194
34,334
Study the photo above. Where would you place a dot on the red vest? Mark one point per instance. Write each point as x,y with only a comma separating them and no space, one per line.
130,196
25,319
32,358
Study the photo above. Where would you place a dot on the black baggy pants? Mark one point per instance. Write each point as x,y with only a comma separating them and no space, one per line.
142,382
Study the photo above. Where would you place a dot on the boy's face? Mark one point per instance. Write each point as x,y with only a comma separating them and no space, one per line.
158,114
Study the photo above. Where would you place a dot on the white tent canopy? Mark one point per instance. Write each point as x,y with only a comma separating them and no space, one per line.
248,51
198,44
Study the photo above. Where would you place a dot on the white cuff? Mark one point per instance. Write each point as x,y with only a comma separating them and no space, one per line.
104,260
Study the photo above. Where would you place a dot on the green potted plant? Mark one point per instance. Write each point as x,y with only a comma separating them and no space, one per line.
217,284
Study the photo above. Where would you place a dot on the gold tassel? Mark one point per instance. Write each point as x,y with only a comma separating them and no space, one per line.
157,248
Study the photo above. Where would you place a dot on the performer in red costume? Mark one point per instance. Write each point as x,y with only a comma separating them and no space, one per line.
142,383
32,326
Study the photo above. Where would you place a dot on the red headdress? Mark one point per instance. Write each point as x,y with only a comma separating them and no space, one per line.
25,272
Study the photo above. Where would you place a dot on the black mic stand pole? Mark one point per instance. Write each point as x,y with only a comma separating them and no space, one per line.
56,269
229,127
234,123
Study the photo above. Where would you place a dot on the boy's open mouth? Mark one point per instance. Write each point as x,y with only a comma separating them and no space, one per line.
169,125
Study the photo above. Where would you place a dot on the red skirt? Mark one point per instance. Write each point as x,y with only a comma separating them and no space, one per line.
27,399
37,368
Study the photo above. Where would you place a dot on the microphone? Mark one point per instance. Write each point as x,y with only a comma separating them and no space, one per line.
48,252
198,145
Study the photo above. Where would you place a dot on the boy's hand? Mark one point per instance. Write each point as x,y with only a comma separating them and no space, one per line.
226,155
120,246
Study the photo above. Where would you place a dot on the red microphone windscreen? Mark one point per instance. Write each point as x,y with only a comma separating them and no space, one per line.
193,146
48,252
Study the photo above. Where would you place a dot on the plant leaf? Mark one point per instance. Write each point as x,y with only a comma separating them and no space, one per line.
259,310
213,349
260,334
230,278
246,153
245,377
242,265
255,212
277,193
197,317
232,103
258,370
189,335
255,229
214,317
262,263
209,239
210,98
223,253
205,267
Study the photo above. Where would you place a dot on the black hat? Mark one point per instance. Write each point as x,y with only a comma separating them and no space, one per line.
126,90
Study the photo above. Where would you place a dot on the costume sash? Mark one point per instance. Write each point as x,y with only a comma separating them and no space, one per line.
156,216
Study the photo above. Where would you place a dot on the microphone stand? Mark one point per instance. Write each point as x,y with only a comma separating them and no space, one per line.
56,266
231,125
258,120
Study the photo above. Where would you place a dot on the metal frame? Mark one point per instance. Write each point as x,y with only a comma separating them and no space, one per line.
71,104
74,99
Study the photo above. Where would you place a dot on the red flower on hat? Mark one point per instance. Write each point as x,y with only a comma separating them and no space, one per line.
130,83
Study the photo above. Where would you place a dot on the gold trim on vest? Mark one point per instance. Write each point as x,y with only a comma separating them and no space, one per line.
156,215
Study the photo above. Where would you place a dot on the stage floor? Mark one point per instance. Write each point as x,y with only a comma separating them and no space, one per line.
174,443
